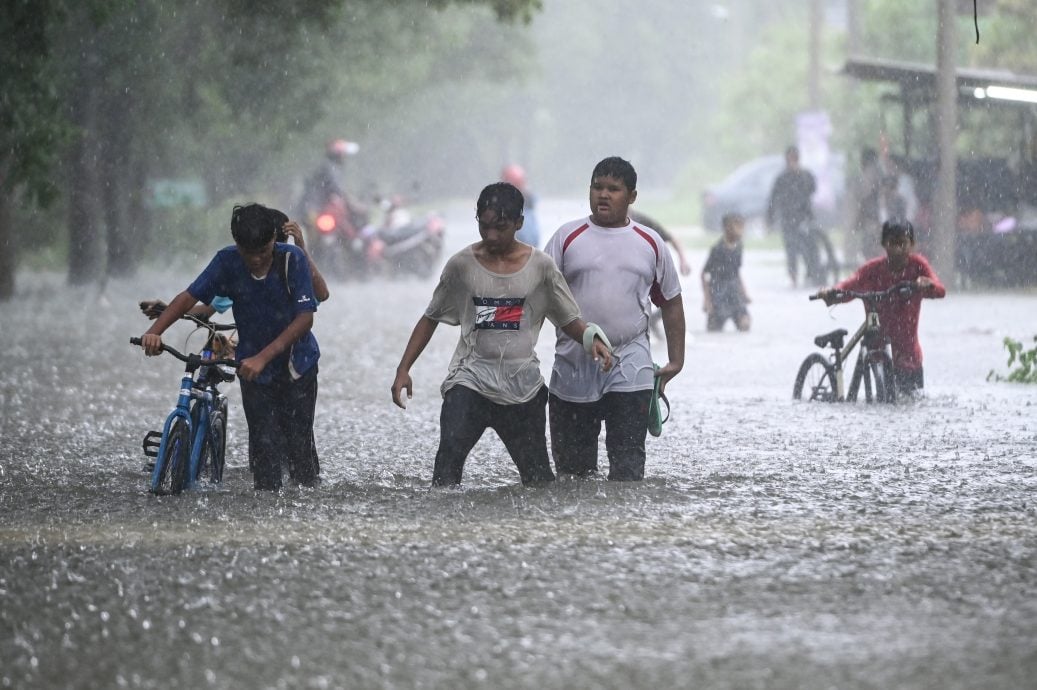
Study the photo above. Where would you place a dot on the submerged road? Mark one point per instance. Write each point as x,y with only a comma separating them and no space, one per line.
774,544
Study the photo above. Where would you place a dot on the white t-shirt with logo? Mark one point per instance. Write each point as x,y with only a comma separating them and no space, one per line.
500,317
615,274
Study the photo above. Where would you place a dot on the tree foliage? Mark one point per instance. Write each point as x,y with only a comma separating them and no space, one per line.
99,96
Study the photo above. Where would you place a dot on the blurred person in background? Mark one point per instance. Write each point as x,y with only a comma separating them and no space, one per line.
790,208
723,292
515,175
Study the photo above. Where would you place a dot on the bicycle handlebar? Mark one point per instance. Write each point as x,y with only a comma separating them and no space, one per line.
901,289
192,357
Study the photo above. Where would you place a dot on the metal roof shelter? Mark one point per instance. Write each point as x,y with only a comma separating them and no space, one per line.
996,90
914,77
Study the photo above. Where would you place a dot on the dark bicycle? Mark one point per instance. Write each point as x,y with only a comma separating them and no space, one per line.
820,378
818,254
193,440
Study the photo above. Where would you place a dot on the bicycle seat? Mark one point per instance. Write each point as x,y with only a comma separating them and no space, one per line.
835,339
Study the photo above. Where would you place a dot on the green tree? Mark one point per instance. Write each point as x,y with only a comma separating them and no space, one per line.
100,95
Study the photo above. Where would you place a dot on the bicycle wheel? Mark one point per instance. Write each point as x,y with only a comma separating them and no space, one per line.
214,453
827,263
170,473
860,375
881,368
815,380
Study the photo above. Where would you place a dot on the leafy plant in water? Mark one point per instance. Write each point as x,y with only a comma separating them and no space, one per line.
1024,361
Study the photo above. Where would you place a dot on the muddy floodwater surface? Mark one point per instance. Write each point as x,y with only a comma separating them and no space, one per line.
773,543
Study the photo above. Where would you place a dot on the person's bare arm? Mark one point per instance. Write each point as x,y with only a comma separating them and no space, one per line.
151,341
419,338
741,288
320,286
601,353
675,329
153,307
685,267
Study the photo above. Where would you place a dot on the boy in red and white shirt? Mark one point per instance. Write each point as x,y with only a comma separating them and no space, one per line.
617,269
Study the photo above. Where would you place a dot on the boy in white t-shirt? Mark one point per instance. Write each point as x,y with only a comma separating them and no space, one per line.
616,270
499,291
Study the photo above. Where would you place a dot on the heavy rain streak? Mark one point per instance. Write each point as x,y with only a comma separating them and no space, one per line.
878,529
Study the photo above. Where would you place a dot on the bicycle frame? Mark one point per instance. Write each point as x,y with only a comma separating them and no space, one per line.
874,361
196,418
839,357
196,407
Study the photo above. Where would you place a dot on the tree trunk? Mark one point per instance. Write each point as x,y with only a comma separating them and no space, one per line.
85,251
8,246
114,183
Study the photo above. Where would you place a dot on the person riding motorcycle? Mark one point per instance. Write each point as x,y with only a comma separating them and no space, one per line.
327,183
336,219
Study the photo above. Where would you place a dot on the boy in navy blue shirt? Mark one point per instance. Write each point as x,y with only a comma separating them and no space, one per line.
272,291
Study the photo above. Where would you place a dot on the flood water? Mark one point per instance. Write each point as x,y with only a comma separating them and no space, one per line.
773,544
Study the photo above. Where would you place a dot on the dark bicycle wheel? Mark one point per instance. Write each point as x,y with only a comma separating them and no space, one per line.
214,452
880,367
218,432
170,473
860,376
815,380
827,262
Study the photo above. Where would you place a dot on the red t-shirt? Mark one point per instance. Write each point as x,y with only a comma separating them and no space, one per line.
898,316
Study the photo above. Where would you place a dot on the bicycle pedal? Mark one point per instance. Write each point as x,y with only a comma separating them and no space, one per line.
152,439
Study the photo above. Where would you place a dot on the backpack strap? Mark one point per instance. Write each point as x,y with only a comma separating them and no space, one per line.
281,266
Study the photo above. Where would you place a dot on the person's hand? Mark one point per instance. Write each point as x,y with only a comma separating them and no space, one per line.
747,300
402,381
685,267
667,372
152,344
601,353
251,367
827,294
293,230
707,306
151,308
923,282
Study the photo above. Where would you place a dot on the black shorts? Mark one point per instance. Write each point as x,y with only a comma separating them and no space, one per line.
575,428
464,417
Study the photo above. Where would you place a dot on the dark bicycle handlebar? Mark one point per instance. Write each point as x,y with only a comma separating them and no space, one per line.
155,309
900,289
192,357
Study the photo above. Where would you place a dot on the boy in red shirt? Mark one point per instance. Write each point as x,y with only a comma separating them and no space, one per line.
898,315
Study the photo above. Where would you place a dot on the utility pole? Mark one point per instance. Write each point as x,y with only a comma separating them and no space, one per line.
853,28
945,203
814,63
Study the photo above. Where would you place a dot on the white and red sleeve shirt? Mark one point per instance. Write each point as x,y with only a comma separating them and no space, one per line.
615,274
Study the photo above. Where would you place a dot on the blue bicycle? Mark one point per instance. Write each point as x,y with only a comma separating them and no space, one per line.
193,440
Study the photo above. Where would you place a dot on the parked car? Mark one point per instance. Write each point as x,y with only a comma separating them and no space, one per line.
747,191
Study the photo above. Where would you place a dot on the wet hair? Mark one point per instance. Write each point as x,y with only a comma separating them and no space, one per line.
730,219
616,167
278,218
896,228
251,226
502,197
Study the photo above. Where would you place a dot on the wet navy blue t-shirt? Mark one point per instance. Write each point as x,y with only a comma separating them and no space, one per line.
263,307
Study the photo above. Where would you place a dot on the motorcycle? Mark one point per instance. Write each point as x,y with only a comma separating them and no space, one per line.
404,245
353,248
338,245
